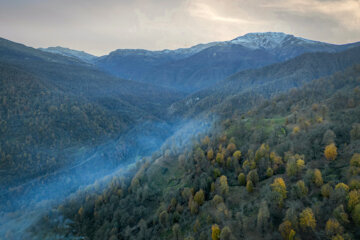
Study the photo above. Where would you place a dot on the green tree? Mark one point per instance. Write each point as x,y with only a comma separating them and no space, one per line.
263,217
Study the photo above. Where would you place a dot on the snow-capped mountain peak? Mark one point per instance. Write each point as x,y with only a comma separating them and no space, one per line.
266,40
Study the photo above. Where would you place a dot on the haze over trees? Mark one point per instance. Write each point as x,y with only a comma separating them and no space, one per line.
271,152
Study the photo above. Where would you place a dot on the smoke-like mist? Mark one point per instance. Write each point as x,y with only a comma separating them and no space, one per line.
29,201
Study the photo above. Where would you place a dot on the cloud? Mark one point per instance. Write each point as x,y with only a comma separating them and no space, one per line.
102,26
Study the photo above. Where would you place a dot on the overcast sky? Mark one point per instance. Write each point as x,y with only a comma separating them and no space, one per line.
101,26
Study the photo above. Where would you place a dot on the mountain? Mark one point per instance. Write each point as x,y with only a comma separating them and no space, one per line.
249,87
52,105
81,55
201,66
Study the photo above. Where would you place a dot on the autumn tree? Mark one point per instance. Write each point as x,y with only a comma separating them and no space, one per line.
231,148
307,219
224,187
285,229
210,154
317,178
237,155
330,152
279,187
249,186
301,189
199,197
215,232
241,179
333,227
220,158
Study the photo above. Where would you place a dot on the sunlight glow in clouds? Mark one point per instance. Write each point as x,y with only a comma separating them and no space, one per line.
102,26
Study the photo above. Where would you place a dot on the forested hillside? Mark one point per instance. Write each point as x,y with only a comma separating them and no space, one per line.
287,169
51,106
251,87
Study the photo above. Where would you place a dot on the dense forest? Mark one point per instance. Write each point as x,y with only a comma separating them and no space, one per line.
218,141
286,169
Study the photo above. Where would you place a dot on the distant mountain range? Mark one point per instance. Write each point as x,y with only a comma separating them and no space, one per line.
198,67
248,88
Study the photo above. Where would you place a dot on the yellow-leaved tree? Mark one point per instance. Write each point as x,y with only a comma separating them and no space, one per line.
307,219
215,232
330,152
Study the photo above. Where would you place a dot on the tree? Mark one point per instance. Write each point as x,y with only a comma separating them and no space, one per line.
220,158
206,141
163,218
210,154
215,232
249,186
224,187
263,217
296,130
253,176
355,164
337,237
307,219
231,148
330,152
356,214
342,186
285,229
194,206
176,231
317,178
199,197
225,233
355,160
329,137
301,189
333,227
279,186
241,179
340,214
237,155
355,132
269,172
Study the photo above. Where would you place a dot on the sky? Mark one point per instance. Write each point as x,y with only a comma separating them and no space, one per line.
101,26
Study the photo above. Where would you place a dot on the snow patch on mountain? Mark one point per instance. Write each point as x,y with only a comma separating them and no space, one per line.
86,57
268,40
